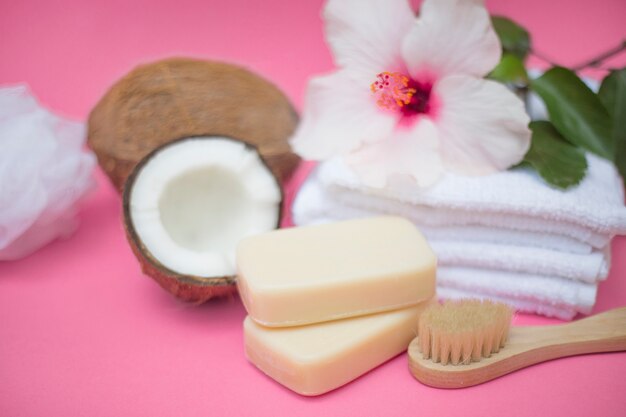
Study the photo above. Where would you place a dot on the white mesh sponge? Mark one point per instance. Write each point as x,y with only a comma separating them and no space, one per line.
44,172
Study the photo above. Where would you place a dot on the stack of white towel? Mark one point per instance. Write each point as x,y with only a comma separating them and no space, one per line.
506,236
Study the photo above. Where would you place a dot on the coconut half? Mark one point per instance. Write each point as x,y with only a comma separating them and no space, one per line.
188,204
168,99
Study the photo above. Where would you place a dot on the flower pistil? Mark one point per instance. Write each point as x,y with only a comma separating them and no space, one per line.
392,90
396,91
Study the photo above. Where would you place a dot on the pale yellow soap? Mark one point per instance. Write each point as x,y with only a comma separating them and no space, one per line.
319,273
318,358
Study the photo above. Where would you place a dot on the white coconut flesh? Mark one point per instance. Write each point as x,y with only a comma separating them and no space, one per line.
194,200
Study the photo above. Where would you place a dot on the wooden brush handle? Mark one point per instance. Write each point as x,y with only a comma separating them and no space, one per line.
605,332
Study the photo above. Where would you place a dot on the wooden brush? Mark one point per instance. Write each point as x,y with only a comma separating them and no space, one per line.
468,342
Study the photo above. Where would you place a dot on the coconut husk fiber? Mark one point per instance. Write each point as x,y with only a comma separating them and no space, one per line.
174,98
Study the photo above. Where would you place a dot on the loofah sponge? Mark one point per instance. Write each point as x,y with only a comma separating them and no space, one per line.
44,172
175,98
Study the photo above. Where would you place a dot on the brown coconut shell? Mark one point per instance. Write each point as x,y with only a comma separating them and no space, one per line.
178,97
189,288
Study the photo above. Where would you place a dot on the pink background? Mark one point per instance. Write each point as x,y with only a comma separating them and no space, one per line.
82,332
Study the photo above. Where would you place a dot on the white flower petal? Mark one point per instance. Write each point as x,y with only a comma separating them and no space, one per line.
451,37
339,116
367,36
408,153
483,126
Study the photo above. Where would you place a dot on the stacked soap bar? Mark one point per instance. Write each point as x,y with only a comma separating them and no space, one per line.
328,303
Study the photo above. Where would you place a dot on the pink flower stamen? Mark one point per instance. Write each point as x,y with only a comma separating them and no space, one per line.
392,90
396,91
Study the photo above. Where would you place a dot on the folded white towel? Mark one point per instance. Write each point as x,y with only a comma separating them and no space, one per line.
507,236
486,234
314,205
589,268
525,306
557,292
592,212
443,217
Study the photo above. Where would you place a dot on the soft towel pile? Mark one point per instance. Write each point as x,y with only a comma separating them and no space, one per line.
506,236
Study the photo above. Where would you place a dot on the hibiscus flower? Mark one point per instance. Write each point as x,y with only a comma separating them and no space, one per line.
408,97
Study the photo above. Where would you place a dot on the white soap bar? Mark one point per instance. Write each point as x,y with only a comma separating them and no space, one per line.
313,274
318,358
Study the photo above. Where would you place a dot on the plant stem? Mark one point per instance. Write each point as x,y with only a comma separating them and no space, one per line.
592,63
543,57
595,62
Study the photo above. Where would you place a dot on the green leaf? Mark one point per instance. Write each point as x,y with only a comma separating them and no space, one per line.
608,91
559,163
613,95
575,111
514,38
510,70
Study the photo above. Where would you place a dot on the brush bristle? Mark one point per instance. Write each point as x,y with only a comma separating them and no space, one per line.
463,331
